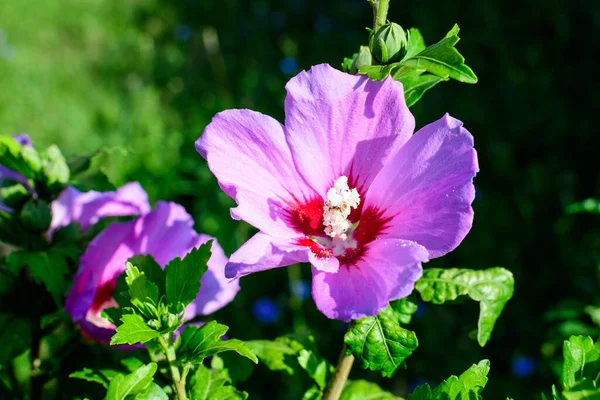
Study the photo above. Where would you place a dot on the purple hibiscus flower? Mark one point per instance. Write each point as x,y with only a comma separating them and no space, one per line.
10,175
346,186
165,233
87,208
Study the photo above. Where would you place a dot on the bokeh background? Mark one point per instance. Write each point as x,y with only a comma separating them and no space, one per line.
147,76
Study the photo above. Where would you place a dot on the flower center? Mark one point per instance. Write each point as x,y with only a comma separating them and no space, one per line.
341,200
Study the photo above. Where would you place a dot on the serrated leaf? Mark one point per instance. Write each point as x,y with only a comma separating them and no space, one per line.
364,390
137,382
581,360
47,268
197,343
442,59
133,330
141,290
379,343
150,268
492,288
209,384
183,277
468,386
103,376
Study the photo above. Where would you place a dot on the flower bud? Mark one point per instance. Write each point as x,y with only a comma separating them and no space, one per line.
363,58
389,43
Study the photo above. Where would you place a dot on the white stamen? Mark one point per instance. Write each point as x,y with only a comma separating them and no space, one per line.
340,202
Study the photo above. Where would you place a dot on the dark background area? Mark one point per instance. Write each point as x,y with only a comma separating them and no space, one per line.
148,76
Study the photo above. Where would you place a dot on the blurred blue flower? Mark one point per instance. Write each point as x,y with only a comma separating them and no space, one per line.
421,309
289,66
323,25
300,289
523,367
266,311
183,33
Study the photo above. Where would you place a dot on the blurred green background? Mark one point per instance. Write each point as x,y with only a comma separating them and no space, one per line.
148,75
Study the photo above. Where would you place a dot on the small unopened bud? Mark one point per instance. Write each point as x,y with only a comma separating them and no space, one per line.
389,43
363,58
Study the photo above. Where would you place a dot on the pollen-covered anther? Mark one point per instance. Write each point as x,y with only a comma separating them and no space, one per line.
340,202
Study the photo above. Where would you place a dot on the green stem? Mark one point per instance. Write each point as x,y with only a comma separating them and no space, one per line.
334,388
169,350
380,10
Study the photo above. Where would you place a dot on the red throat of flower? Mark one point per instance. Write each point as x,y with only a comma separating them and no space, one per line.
332,228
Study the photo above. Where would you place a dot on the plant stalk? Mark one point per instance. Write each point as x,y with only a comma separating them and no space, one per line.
334,388
380,11
178,382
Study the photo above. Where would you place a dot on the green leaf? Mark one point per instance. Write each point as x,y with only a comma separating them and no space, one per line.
581,361
317,368
209,384
47,268
183,277
364,390
585,389
197,343
467,386
379,343
81,163
15,336
135,383
277,356
416,43
150,268
141,290
416,84
103,376
133,330
492,288
290,353
55,168
154,392
404,308
347,62
442,59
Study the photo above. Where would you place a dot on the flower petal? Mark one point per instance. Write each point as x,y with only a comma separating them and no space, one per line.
216,291
262,252
9,174
23,139
428,189
388,271
340,124
88,208
248,154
